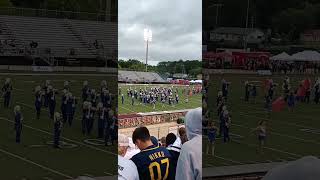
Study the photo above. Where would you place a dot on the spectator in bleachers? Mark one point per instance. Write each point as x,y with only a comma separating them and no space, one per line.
153,162
183,135
174,147
127,170
163,142
189,165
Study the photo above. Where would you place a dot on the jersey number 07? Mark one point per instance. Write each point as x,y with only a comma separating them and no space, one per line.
157,165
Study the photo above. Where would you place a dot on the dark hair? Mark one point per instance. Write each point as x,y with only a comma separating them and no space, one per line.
140,133
182,131
170,139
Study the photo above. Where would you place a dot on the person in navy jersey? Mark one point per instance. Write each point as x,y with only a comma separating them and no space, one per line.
69,108
177,98
46,93
85,91
52,101
90,118
153,162
113,128
64,100
291,101
102,116
85,116
18,123
66,85
74,105
6,91
254,93
109,99
173,145
38,102
247,91
212,133
122,99
103,86
57,130
93,98
107,128
224,89
226,125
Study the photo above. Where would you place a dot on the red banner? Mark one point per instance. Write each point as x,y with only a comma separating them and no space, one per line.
133,121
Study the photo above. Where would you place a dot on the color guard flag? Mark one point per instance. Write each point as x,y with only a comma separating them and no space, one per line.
278,105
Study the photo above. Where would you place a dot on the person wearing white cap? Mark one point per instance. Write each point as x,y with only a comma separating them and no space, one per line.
189,165
127,170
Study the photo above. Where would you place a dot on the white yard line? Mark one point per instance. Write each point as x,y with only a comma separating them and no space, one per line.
230,160
36,164
269,148
76,117
283,135
89,175
108,173
47,178
282,122
74,141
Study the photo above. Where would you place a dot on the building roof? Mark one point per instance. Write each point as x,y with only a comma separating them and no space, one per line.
235,30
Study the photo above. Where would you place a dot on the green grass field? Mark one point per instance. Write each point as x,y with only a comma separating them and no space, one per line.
291,135
127,108
34,158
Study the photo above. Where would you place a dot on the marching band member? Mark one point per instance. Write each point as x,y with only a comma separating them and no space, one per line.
18,123
6,91
57,130
38,103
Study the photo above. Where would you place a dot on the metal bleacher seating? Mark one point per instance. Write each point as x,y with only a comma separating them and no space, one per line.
60,35
135,76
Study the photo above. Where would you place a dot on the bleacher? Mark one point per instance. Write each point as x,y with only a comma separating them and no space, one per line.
58,37
139,77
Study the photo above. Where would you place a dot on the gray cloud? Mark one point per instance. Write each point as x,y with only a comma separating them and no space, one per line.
176,26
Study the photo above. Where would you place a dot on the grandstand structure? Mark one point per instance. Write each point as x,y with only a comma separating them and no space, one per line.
44,41
139,77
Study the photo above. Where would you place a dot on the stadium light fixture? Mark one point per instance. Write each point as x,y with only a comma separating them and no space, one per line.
147,38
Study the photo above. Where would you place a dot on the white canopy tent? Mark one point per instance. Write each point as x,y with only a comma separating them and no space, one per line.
313,56
281,57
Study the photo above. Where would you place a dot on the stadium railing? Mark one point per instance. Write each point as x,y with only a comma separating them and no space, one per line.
4,68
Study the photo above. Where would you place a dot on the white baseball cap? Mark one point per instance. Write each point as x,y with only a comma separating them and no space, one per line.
123,140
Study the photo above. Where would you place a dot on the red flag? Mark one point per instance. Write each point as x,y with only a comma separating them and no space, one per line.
301,91
278,105
307,83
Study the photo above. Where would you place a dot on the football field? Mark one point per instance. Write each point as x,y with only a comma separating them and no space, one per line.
290,135
35,158
127,108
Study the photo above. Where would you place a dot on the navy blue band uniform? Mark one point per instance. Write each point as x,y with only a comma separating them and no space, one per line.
153,163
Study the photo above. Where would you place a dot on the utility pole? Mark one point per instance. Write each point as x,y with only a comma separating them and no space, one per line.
247,21
218,6
108,10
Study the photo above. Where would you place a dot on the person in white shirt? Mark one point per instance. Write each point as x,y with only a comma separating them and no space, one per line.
132,149
127,170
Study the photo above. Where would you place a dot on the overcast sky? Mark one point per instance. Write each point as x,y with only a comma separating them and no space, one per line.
176,27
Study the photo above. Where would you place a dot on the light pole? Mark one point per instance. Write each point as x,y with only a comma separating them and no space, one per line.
245,32
147,38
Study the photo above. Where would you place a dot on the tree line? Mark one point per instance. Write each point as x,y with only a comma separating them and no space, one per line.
190,67
285,18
